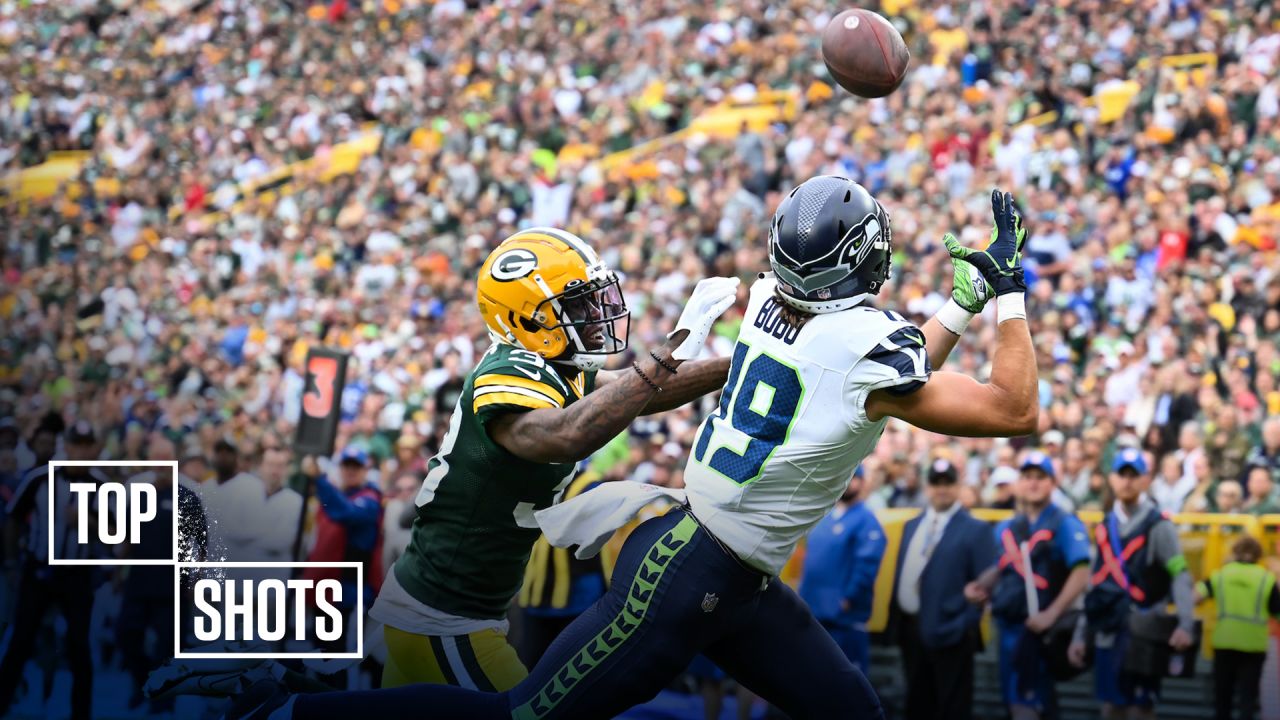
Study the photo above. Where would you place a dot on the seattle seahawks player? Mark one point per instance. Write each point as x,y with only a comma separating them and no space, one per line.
815,375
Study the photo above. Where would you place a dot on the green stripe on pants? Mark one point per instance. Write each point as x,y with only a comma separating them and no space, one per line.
656,561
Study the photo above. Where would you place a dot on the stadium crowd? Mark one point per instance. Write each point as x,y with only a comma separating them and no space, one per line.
147,296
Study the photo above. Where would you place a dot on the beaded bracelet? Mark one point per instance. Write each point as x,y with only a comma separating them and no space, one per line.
669,368
645,378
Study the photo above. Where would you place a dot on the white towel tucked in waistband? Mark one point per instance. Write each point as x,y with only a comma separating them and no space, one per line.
589,520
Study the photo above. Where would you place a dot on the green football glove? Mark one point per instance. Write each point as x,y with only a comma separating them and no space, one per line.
968,288
1001,263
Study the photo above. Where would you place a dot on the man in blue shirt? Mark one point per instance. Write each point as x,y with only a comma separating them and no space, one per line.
1028,601
840,567
349,523
1138,567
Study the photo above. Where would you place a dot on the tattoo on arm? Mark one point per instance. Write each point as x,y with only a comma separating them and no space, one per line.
571,434
696,378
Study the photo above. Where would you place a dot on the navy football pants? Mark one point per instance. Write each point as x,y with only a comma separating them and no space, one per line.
675,593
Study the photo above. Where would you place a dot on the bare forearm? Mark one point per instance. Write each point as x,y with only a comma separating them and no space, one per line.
573,433
987,580
1013,373
938,342
955,404
594,420
694,380
1077,582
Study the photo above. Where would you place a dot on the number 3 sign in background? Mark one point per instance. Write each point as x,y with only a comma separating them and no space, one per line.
321,402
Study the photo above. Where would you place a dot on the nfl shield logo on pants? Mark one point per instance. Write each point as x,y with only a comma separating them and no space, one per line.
709,602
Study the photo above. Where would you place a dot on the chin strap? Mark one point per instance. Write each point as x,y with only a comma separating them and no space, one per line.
586,363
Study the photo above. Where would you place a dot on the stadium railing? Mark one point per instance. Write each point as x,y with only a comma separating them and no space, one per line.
1206,542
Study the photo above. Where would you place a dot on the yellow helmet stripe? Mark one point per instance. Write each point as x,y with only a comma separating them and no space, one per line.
493,379
510,398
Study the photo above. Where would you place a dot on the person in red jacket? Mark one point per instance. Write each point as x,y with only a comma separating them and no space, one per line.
348,525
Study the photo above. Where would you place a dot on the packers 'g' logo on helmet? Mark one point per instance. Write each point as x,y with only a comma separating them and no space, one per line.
514,264
547,291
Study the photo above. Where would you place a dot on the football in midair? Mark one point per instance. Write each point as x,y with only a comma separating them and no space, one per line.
865,53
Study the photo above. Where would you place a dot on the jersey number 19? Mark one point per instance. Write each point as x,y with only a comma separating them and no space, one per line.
764,407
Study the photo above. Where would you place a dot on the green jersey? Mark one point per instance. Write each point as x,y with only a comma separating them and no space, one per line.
474,531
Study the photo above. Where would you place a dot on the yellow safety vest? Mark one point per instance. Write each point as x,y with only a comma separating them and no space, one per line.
1241,591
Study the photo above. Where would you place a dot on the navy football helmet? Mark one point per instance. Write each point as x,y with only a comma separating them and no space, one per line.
829,245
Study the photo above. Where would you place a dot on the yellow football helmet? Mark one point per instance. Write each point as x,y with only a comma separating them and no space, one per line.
545,290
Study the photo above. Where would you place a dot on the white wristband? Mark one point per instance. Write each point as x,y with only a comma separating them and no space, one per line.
1011,306
953,317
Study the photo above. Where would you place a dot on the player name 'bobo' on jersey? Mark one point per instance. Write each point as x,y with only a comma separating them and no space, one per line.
769,320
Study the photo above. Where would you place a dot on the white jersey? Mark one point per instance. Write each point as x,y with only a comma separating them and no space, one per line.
790,429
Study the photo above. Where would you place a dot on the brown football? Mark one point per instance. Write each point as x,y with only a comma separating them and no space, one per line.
865,53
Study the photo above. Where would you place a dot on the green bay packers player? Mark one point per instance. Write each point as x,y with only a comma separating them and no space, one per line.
536,404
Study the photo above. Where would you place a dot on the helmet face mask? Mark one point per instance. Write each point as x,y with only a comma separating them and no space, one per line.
829,245
592,315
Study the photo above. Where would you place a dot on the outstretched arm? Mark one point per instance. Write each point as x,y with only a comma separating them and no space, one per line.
570,434
956,404
695,379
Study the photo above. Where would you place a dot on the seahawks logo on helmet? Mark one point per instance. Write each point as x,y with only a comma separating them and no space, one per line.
858,242
829,245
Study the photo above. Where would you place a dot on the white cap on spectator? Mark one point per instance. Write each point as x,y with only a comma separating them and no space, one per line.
1003,475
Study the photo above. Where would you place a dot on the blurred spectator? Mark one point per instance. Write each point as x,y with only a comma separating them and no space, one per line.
1240,637
1228,444
1267,453
941,551
397,517
234,504
42,585
1043,569
907,491
1170,487
841,562
348,524
1139,559
1002,480
1228,497
1201,497
1262,497
408,458
282,506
